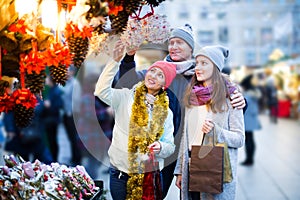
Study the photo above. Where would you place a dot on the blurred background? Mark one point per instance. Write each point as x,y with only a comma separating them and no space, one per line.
264,41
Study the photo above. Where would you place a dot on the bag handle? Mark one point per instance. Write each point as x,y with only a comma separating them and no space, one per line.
203,152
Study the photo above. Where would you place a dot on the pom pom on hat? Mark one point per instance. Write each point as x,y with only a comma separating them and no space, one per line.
185,33
169,70
217,54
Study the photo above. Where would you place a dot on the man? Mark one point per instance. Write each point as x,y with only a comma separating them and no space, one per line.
180,46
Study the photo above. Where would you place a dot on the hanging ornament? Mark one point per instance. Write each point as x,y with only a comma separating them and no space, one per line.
32,65
134,35
150,28
78,42
156,28
58,58
119,22
25,103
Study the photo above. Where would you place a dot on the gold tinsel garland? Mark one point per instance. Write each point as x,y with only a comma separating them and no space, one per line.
141,135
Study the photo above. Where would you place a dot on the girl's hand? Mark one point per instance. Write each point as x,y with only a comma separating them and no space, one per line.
155,146
207,126
178,181
118,51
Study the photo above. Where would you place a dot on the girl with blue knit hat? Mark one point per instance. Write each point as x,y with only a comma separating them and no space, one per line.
208,110
181,45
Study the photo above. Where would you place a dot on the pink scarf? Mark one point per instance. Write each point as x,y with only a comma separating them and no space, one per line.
201,95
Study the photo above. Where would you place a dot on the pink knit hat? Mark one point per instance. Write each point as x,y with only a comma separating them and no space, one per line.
169,70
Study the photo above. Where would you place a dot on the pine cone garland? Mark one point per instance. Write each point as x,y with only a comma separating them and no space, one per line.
23,115
35,82
79,47
59,74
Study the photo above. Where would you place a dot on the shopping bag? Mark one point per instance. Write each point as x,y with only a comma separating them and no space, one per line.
152,188
227,178
206,168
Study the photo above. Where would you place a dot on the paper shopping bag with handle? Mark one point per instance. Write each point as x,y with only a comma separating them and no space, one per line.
206,168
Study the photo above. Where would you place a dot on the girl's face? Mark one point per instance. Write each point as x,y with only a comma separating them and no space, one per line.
154,80
204,69
179,50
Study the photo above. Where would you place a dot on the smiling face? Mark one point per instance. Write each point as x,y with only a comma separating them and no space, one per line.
179,50
204,69
154,80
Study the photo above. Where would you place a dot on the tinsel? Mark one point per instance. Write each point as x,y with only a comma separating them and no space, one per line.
141,135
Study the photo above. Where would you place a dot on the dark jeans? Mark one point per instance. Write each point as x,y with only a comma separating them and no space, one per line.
194,195
167,177
249,146
118,184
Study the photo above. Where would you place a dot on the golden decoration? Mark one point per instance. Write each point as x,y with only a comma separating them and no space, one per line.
141,135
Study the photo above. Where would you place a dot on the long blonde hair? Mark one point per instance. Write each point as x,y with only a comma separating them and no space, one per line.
219,94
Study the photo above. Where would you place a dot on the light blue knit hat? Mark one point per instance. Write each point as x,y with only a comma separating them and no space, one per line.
216,53
185,33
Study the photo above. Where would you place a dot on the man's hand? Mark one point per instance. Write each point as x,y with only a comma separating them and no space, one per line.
237,100
131,50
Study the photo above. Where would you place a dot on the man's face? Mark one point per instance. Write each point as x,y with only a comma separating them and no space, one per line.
179,50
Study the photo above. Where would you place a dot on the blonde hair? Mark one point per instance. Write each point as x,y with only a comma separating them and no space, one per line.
219,94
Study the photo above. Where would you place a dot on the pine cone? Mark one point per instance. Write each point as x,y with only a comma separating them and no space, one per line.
23,116
119,22
79,47
99,29
154,2
131,5
95,9
59,74
35,82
